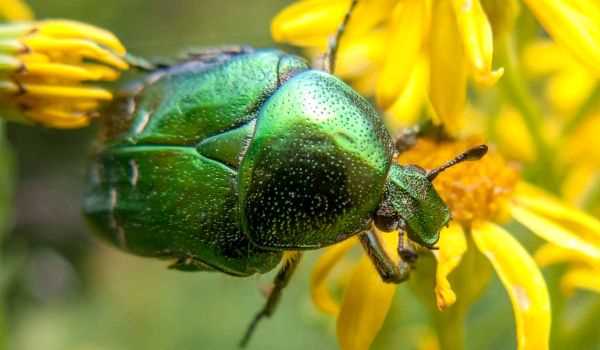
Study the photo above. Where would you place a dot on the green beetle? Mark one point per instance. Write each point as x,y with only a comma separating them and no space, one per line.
226,160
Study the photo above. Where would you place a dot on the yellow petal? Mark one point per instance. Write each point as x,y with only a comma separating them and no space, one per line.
550,254
408,27
542,58
581,278
365,305
77,92
514,139
579,183
574,24
313,22
360,54
523,282
478,40
547,205
58,118
15,10
448,75
568,89
453,245
554,233
34,57
318,282
61,71
75,47
406,110
102,72
583,145
365,84
76,30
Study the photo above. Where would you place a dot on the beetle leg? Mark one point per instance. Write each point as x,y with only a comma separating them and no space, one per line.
334,42
389,271
281,280
406,252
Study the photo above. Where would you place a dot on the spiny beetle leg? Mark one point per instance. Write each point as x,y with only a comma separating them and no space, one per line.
281,280
406,251
389,271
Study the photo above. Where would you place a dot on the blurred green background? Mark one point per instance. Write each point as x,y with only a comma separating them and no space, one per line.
64,289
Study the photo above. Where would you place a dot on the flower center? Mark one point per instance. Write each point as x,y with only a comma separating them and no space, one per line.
473,190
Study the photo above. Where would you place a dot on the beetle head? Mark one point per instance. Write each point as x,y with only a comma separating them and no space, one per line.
411,203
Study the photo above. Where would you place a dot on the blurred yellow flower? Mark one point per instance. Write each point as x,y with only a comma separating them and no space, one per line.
393,48
574,25
569,82
401,41
582,274
580,154
482,196
570,124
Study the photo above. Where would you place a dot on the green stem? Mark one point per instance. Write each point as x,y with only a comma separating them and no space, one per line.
592,198
515,88
6,187
584,331
450,327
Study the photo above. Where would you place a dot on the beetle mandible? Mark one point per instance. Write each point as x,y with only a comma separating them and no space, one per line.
232,157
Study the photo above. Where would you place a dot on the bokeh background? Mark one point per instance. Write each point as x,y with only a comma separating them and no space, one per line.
64,289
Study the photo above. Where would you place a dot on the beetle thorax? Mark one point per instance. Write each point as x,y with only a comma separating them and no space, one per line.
411,203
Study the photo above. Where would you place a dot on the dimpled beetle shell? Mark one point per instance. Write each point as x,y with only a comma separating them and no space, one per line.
225,160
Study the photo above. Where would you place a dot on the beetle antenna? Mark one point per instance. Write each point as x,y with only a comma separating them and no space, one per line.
334,43
474,153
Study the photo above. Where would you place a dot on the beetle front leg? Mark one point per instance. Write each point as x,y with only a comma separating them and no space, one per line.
281,280
406,251
389,271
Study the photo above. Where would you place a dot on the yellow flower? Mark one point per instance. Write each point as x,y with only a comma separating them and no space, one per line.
482,196
46,66
389,42
391,45
573,24
583,272
569,82
570,125
580,154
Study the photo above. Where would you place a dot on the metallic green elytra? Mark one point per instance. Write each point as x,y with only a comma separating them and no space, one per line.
224,161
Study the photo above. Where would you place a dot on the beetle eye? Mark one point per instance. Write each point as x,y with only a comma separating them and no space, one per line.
386,220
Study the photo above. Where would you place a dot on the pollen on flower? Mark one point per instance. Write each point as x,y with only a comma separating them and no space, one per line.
473,190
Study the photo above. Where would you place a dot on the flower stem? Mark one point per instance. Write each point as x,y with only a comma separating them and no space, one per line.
450,327
515,88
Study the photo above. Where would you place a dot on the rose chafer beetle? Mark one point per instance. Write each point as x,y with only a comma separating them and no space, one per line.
230,158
